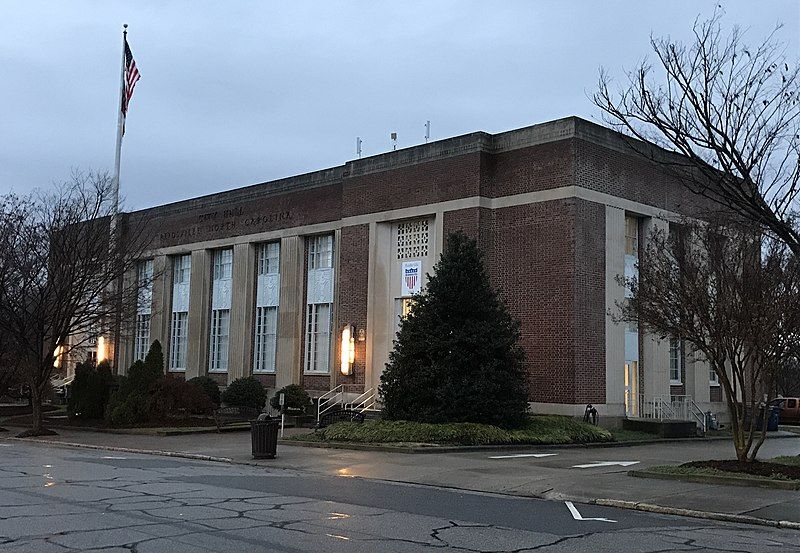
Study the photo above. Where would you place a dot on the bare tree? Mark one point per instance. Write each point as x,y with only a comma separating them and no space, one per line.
61,275
731,111
788,378
733,295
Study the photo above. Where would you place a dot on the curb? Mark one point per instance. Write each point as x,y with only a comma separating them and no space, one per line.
507,447
724,517
157,431
719,479
74,445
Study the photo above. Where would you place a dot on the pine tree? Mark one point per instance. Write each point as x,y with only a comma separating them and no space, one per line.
456,357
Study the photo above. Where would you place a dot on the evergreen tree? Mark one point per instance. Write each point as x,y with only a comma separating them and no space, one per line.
456,357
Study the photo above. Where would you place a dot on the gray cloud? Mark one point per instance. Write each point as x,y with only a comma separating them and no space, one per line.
241,92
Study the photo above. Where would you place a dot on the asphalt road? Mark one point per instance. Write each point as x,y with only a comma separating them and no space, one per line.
55,499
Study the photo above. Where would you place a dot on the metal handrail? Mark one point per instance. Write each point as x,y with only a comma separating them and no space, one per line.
700,415
328,401
364,402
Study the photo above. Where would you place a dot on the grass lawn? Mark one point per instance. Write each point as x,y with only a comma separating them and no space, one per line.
539,430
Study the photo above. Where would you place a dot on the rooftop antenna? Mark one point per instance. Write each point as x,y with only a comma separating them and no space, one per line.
394,141
427,130
358,146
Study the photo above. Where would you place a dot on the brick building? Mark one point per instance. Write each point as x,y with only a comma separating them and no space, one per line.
263,279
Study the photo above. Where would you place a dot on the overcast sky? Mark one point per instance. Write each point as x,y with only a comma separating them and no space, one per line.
235,93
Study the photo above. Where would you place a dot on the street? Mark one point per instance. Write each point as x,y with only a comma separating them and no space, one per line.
59,499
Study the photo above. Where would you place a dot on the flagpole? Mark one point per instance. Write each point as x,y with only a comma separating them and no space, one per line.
120,123
112,238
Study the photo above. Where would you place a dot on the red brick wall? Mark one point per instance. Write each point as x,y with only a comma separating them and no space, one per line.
534,273
353,267
529,169
220,378
267,380
590,299
626,176
424,183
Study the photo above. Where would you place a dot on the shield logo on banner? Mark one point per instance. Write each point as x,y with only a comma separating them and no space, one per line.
411,278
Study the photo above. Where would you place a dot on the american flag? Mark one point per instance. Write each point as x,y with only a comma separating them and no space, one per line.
131,77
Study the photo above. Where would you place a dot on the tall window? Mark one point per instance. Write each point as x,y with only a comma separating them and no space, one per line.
713,378
220,334
179,322
220,310
675,361
319,304
144,283
223,264
318,337
631,236
267,299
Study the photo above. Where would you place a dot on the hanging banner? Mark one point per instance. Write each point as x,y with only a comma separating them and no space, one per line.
411,278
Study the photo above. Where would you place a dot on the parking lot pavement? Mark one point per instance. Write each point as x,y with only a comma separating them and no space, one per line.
56,499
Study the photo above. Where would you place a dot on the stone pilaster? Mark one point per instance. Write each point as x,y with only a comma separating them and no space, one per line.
290,312
655,352
615,293
199,305
161,308
240,352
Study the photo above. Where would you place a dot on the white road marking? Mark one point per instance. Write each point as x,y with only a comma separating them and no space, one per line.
520,455
6,445
577,516
605,464
113,457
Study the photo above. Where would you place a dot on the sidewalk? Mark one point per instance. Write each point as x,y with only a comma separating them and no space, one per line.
551,475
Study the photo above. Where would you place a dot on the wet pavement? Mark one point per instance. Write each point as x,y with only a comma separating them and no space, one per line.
54,499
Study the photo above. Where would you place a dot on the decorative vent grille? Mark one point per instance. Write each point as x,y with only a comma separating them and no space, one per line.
412,239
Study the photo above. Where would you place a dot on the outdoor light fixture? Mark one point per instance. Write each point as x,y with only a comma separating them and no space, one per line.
348,349
57,356
101,349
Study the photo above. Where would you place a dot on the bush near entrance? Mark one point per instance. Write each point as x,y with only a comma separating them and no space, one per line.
90,390
147,395
209,386
544,429
296,399
456,358
245,392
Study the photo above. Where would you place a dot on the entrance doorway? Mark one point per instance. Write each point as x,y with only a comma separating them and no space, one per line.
631,388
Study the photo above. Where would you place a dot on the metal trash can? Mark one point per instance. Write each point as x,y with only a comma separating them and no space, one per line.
774,418
264,435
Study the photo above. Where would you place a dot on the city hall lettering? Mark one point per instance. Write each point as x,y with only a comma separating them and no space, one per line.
219,222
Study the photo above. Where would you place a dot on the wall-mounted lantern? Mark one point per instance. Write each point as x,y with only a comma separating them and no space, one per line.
348,349
102,354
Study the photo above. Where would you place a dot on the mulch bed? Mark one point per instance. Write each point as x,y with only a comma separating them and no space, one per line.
192,422
165,423
757,468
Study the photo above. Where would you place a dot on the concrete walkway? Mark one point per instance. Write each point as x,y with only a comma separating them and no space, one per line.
553,474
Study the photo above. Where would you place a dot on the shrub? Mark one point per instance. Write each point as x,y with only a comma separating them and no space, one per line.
174,396
90,390
457,357
295,398
547,429
130,410
209,386
245,392
143,375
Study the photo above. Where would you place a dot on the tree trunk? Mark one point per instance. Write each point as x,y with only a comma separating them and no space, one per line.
36,404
